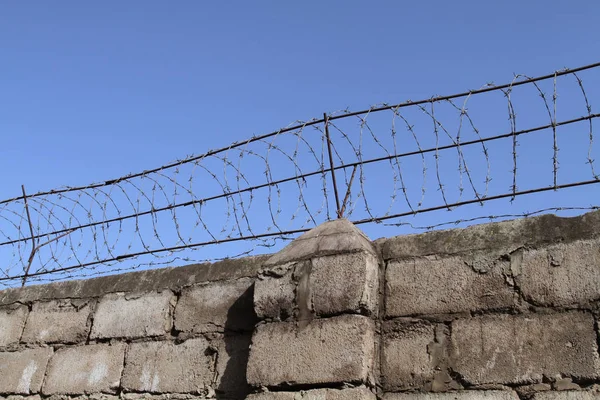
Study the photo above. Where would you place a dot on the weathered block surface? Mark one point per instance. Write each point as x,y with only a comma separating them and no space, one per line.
12,320
561,274
332,237
150,396
524,349
406,361
445,285
57,321
317,394
22,372
20,397
232,362
567,395
339,349
461,395
346,283
130,316
216,307
495,239
275,293
166,367
152,280
85,369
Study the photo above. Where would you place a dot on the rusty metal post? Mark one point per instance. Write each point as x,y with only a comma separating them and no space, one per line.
332,169
33,246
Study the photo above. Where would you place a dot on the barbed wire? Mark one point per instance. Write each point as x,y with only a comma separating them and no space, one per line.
369,166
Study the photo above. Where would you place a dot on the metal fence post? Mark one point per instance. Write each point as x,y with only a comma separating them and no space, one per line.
332,169
33,246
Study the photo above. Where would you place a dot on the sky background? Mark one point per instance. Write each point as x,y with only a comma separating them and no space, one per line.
93,91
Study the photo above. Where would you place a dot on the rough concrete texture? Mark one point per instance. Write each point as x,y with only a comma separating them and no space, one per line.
121,396
23,372
567,395
167,396
85,369
62,321
345,283
461,395
330,285
275,292
12,320
154,280
405,361
166,367
19,397
333,237
92,396
518,349
216,307
339,349
232,362
560,275
317,394
130,316
496,238
433,285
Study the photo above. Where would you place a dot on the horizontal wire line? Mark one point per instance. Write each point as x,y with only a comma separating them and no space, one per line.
296,231
163,190
295,178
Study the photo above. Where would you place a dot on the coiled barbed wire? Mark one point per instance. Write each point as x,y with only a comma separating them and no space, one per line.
263,191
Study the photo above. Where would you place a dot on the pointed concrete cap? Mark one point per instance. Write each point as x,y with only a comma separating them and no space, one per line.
333,237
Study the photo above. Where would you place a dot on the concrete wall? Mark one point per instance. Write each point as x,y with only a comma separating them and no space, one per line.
498,311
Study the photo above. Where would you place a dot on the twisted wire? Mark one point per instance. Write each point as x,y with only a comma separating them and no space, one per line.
261,192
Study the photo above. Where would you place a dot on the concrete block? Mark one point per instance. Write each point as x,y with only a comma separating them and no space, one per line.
460,395
317,394
22,372
567,395
560,275
274,294
91,396
406,362
332,237
496,239
85,369
166,396
445,285
130,316
332,350
216,307
151,280
165,367
12,320
19,397
345,283
274,396
57,321
520,349
232,362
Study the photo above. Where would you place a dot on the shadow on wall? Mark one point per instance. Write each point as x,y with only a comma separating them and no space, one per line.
232,382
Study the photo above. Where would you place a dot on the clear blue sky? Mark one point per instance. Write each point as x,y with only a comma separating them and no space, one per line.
91,91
